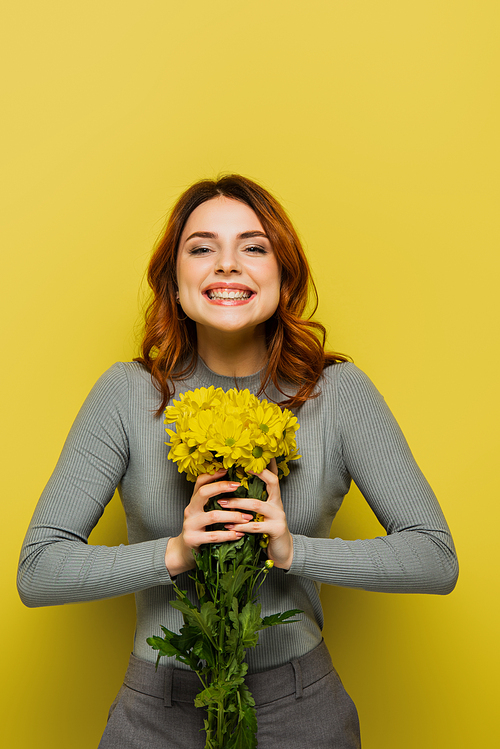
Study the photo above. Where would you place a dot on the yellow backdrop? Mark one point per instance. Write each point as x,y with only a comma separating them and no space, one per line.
376,124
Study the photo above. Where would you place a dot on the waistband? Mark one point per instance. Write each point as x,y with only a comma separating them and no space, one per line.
176,685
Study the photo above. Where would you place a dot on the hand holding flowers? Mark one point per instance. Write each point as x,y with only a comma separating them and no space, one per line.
229,525
179,554
273,522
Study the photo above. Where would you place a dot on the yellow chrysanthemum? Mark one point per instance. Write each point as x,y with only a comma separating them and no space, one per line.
290,426
188,459
215,429
242,476
201,428
231,441
257,460
242,400
268,423
193,401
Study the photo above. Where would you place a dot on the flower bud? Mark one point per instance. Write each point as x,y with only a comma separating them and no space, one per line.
269,564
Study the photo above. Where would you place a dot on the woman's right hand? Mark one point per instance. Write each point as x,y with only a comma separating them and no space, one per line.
179,554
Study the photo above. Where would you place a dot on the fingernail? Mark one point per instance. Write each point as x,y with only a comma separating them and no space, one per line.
234,484
247,517
222,501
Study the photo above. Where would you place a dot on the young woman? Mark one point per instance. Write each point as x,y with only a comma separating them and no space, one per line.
230,285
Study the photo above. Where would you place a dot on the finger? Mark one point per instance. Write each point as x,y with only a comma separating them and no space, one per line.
246,505
272,485
267,475
271,528
195,539
265,514
207,490
273,466
207,478
218,537
223,517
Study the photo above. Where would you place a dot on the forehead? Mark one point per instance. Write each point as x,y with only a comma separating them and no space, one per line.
223,216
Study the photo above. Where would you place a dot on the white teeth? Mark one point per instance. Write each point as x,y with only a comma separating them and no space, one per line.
226,294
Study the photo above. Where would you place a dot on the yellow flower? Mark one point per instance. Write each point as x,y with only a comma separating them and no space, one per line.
242,400
188,459
193,401
231,441
215,429
187,449
266,424
242,476
290,426
258,460
201,428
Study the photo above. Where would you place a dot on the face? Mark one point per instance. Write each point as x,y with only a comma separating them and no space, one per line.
227,273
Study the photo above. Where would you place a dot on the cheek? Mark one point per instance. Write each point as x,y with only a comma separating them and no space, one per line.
273,289
185,277
274,276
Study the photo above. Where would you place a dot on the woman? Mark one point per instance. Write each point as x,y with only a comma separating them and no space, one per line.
230,284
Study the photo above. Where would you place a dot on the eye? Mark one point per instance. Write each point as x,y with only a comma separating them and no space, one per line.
200,251
256,249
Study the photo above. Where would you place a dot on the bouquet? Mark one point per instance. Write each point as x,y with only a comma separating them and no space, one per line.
236,431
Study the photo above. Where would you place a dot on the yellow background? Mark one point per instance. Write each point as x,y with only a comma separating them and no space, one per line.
376,124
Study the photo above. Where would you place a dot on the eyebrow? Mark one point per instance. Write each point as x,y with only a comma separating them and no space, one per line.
212,235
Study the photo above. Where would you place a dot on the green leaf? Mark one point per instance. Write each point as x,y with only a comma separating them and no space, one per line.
212,694
232,582
166,648
273,619
233,645
205,619
244,736
237,670
250,623
205,652
228,550
158,643
255,487
187,638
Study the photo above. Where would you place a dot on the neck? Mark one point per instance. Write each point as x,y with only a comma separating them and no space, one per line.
235,354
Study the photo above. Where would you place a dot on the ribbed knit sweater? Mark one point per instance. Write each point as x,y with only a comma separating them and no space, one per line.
346,433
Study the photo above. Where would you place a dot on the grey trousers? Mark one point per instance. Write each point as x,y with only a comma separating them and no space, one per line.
299,705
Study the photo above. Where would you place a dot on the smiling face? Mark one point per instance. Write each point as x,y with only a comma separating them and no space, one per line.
228,275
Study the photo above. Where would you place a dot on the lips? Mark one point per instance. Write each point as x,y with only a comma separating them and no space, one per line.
228,293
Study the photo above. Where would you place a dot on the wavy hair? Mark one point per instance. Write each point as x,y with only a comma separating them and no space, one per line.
295,344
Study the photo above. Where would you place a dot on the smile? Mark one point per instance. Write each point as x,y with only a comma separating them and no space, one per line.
229,294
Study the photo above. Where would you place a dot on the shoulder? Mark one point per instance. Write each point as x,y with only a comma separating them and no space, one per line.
344,375
121,374
351,386
121,382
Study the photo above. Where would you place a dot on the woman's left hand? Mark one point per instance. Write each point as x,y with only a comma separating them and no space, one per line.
280,548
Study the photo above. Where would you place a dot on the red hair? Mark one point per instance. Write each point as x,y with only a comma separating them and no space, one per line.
295,345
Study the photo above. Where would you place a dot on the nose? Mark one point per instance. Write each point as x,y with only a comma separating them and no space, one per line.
227,262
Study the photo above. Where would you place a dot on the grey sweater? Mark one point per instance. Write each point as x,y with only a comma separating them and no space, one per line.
346,433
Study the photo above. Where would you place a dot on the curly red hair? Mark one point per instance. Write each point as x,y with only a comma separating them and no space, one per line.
295,345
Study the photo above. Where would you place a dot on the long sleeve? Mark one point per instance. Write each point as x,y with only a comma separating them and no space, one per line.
346,433
417,555
57,565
